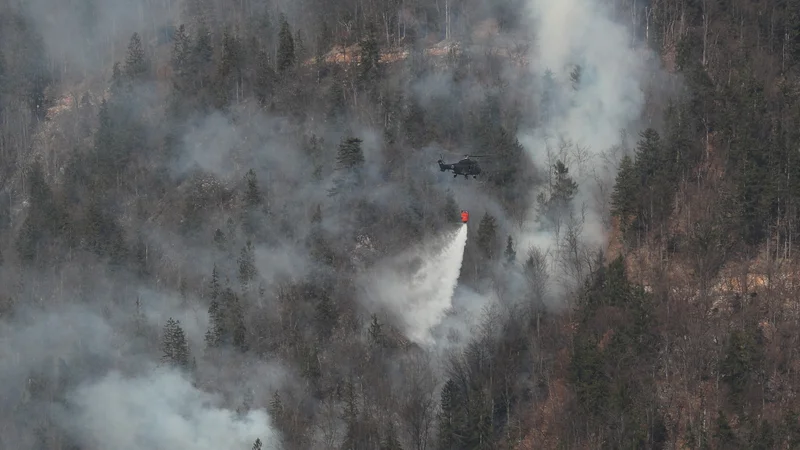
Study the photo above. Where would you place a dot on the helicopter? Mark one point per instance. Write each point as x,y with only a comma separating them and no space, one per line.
466,166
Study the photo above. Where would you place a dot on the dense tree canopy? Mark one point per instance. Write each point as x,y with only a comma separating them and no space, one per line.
211,189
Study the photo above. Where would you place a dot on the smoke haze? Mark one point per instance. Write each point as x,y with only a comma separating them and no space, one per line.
418,285
118,396
160,410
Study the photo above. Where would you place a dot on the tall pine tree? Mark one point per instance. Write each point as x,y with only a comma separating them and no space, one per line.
135,63
350,163
286,51
174,346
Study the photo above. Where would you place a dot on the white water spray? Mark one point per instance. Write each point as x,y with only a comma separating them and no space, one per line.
417,286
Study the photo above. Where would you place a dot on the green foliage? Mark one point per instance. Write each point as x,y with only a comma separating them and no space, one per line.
369,59
510,253
276,405
739,366
174,346
247,264
727,135
350,155
253,205
136,65
487,236
104,236
557,207
252,194
286,50
391,440
265,79
451,212
230,69
416,125
326,316
226,322
376,336
564,188
449,416
349,167
46,221
626,186
615,352
724,434
181,54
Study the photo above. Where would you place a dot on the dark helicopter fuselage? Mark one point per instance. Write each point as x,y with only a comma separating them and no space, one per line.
464,167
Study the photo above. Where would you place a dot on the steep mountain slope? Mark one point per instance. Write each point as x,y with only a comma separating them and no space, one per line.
192,212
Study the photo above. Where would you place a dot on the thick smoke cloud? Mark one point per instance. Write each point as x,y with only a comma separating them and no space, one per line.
121,401
418,286
87,36
160,410
89,375
583,126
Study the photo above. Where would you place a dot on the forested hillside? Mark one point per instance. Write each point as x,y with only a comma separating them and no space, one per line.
206,208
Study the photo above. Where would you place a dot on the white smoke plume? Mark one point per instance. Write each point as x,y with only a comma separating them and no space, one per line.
417,286
99,385
584,126
161,410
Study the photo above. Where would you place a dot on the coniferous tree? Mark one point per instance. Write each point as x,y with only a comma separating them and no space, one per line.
135,62
556,208
350,162
369,59
117,82
350,155
214,286
299,47
449,420
229,72
174,346
564,188
232,330
276,405
181,50
181,60
253,200
338,108
247,265
201,58
510,253
252,194
215,319
326,316
286,50
487,235
391,440
104,236
451,211
220,239
265,79
376,336
104,146
45,220
623,199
